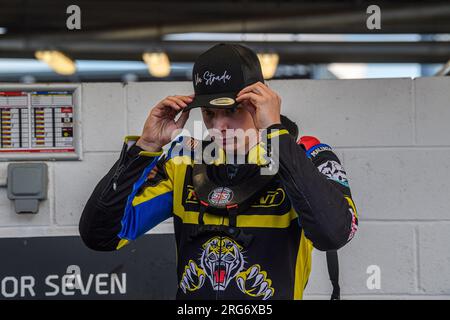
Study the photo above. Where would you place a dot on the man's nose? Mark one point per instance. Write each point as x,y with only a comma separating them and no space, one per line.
222,124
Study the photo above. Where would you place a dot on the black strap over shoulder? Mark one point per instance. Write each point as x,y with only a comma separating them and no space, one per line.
333,272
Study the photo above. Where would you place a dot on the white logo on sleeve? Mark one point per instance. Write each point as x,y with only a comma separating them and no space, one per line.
334,171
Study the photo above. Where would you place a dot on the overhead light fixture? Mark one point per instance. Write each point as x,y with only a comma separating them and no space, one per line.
2,30
269,64
57,61
158,63
348,70
303,37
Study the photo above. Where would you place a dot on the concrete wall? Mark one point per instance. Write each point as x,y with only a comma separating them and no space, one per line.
391,134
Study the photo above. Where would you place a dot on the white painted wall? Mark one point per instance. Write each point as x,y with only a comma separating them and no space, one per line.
391,134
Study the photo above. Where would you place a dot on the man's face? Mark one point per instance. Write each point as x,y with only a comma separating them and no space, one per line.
233,128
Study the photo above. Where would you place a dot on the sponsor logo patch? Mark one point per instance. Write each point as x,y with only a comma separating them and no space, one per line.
190,143
220,197
272,198
318,150
334,171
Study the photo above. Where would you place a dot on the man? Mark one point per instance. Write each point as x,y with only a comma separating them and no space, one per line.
240,234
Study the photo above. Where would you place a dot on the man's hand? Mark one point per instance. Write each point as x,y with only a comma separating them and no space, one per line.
160,124
263,104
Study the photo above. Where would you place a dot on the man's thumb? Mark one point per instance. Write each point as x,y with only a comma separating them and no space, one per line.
182,119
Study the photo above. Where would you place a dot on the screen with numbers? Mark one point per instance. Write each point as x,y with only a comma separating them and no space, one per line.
36,122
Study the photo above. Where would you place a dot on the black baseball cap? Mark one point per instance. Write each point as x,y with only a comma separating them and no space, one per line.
221,72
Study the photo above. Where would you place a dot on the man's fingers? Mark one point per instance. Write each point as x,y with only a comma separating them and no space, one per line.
186,99
264,88
250,88
165,108
246,89
172,104
266,91
258,88
178,101
253,97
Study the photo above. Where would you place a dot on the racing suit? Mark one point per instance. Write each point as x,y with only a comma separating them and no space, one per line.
307,204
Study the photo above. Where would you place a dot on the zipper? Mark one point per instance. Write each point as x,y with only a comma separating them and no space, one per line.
231,171
116,176
113,180
120,169
220,259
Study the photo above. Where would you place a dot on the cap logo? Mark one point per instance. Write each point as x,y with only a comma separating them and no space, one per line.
209,78
224,101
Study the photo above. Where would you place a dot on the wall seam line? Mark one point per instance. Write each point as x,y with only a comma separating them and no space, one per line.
413,102
418,273
125,94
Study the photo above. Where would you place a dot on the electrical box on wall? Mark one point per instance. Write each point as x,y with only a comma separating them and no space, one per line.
40,122
27,184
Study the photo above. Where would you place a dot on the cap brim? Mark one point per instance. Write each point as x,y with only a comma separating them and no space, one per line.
217,100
